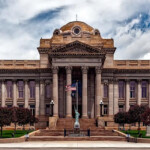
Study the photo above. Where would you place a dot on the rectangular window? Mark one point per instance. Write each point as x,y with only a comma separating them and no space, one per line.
105,109
144,89
9,87
20,89
121,89
9,106
47,109
32,89
32,108
105,91
47,91
20,106
132,89
121,108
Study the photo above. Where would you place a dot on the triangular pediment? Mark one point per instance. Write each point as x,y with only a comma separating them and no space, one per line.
76,48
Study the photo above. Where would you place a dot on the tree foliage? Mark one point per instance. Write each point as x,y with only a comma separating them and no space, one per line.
146,117
5,117
16,115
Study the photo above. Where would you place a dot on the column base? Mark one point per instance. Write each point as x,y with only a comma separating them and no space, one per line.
68,116
85,117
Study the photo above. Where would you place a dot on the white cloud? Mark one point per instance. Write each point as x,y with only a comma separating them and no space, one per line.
20,35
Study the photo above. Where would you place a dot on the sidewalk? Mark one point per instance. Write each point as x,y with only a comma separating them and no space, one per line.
75,144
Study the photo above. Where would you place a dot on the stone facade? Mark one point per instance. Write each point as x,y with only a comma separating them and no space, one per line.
76,52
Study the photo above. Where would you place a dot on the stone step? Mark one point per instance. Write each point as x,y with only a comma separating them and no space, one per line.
92,138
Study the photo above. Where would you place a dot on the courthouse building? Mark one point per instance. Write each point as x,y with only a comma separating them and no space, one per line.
75,52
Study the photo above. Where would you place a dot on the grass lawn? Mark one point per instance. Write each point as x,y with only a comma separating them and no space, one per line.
134,133
19,133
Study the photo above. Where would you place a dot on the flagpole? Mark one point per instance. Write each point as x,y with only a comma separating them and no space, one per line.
77,96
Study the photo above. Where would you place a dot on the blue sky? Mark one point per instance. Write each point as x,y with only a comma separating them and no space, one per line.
24,22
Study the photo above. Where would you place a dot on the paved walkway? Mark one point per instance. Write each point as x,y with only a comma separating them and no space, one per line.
75,144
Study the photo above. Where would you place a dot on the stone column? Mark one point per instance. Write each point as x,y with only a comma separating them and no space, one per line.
84,91
14,93
127,95
3,94
68,97
55,90
139,93
42,97
26,93
37,96
111,97
116,96
98,96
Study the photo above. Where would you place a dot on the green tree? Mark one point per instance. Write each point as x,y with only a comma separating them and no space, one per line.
121,118
5,117
136,113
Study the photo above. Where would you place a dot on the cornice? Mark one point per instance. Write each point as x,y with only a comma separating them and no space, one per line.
45,70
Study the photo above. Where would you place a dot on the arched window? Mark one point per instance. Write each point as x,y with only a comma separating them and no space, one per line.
47,91
20,89
32,89
9,87
144,89
105,91
121,89
132,89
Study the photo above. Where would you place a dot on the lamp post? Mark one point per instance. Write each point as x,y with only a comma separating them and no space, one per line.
51,106
101,105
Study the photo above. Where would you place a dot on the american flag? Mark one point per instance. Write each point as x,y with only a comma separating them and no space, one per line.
71,87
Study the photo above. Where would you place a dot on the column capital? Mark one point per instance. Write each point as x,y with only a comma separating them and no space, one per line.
127,80
84,69
37,81
68,69
139,80
98,70
14,80
55,69
25,80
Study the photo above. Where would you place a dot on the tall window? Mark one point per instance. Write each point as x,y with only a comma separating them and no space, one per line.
47,91
105,91
132,89
20,89
32,89
9,87
105,109
121,89
144,89
47,109
32,108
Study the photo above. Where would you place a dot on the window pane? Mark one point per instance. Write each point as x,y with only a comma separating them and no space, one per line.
32,89
121,89
9,89
105,90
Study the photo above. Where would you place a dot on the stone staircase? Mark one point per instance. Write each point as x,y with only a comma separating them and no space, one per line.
57,133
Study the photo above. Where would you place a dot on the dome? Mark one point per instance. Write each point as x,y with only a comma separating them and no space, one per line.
82,25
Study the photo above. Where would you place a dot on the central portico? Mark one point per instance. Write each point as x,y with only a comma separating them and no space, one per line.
70,63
